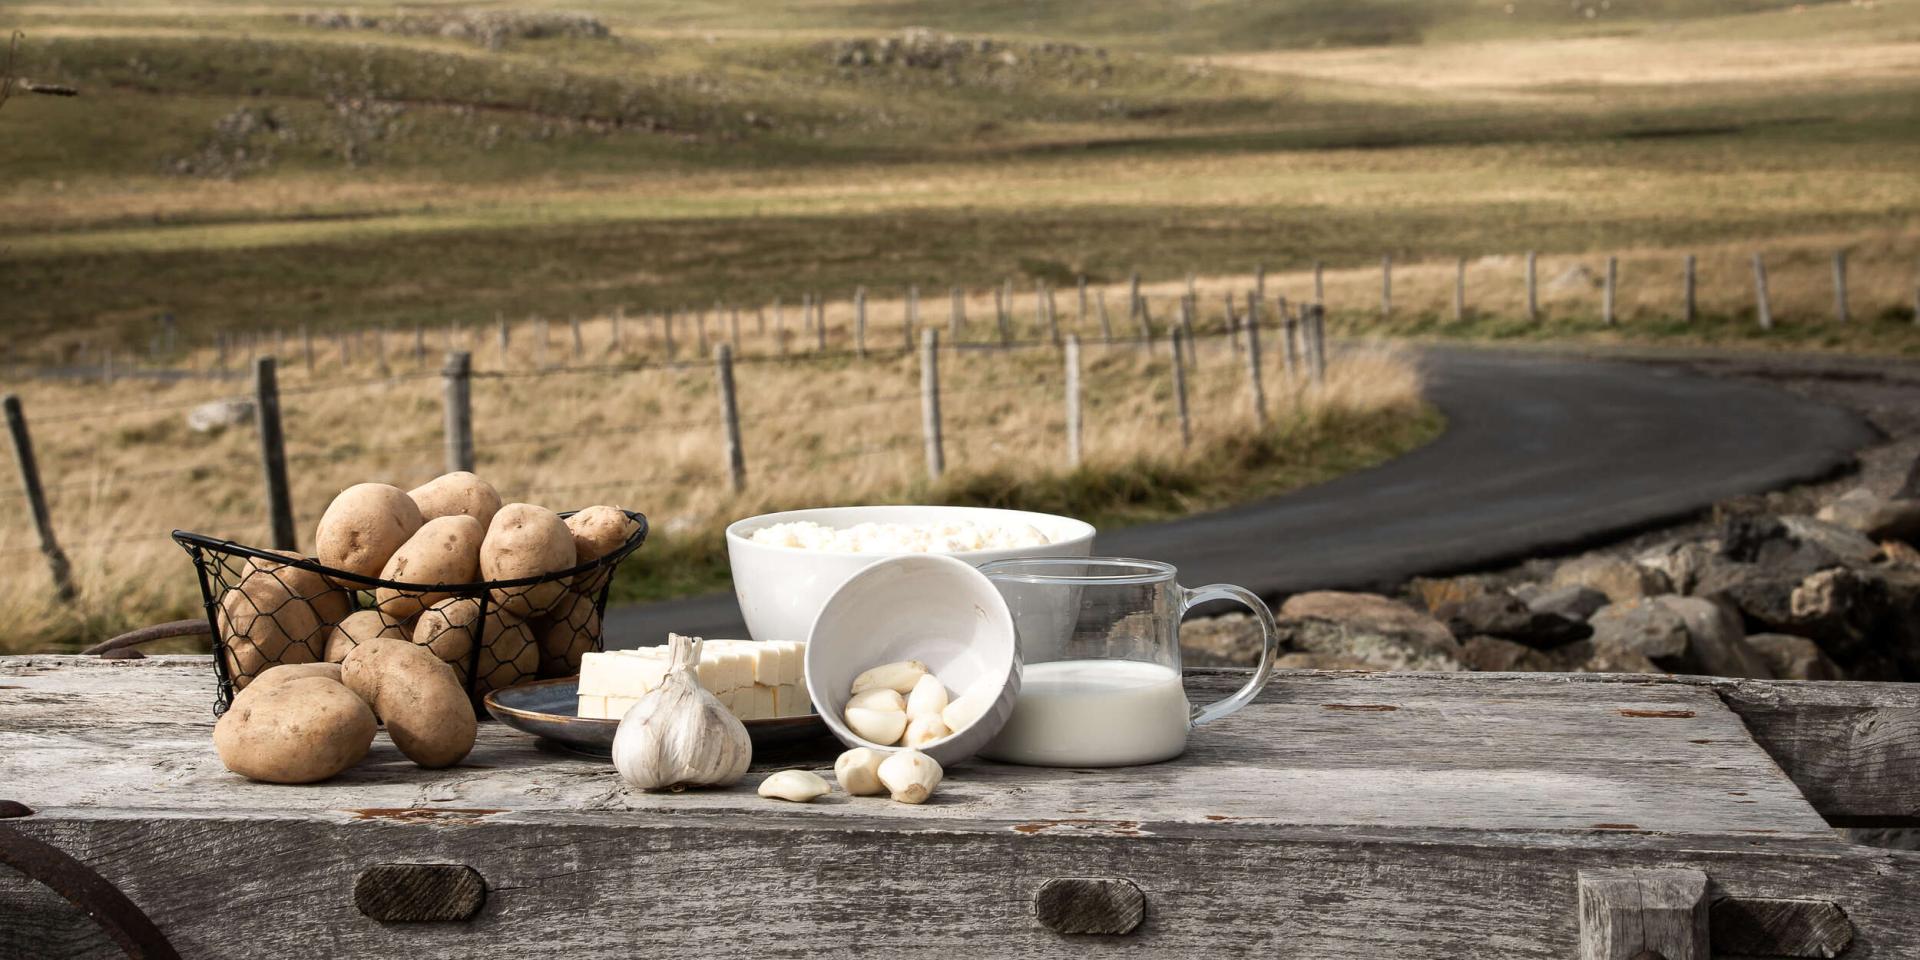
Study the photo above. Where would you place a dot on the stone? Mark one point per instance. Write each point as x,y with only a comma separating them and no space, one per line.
1231,640
1680,562
1494,655
218,415
1762,595
1795,658
1382,633
1618,579
1506,616
1853,548
1875,516
1769,541
1641,626
1436,592
1570,602
1716,641
1616,660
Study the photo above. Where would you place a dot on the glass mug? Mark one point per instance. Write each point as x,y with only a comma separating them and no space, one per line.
1100,661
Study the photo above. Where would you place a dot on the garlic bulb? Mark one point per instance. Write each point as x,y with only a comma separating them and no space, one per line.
679,735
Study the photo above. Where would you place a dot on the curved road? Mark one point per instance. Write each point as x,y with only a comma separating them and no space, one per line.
1541,455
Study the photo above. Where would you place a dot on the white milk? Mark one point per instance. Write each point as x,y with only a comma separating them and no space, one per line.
1094,713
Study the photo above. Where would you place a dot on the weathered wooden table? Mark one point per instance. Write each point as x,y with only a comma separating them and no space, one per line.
1343,815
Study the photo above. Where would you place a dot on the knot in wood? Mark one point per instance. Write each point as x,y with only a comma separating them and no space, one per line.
419,892
9,809
1109,906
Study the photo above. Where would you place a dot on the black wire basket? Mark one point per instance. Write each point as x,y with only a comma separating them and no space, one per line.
268,607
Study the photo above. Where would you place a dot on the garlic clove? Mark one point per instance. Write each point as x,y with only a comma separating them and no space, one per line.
799,786
883,727
898,677
910,775
967,708
924,730
928,698
858,771
879,698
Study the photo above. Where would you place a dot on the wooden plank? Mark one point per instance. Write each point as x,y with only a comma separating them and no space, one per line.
1640,914
1767,927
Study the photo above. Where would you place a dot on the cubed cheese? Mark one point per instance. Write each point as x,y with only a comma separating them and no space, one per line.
620,673
592,708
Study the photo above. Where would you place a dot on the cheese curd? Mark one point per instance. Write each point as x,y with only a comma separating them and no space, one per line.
954,537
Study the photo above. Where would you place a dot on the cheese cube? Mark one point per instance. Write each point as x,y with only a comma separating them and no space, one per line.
791,700
753,703
592,708
620,673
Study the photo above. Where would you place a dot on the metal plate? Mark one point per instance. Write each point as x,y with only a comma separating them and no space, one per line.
549,709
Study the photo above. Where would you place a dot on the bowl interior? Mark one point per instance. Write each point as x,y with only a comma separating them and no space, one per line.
931,608
1058,529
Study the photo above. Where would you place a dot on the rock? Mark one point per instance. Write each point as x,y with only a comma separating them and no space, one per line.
1641,626
1681,563
1617,660
218,415
1761,595
1795,658
1899,553
1716,642
1434,593
1770,542
1372,629
1232,640
1852,547
1875,516
1506,616
1619,579
1494,655
1573,602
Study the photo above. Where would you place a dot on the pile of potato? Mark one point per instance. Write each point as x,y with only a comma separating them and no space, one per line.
305,722
452,530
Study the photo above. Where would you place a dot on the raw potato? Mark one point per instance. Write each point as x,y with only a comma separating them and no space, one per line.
364,525
509,654
598,531
445,550
457,494
300,731
447,628
526,541
266,619
295,671
565,638
421,701
358,628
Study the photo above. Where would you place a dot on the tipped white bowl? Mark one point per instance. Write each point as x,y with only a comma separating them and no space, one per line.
781,589
926,607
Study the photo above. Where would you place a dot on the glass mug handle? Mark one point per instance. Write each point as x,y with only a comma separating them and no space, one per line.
1270,645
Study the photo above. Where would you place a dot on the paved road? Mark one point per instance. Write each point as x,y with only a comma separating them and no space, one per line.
1541,454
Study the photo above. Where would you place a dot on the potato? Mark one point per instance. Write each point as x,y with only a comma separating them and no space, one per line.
448,628
357,629
598,531
268,618
301,731
445,550
425,708
457,494
509,653
565,638
295,671
526,541
364,525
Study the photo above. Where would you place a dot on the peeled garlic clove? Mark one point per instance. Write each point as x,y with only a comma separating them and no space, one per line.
967,708
879,698
928,698
898,677
910,775
858,771
883,727
800,786
925,730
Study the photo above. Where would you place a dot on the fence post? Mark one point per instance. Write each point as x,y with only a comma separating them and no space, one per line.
700,332
779,317
1533,287
819,325
1106,323
273,454
579,342
501,321
1607,297
37,499
1073,399
1232,321
306,345
1319,285
1460,290
912,321
1048,307
666,332
733,326
1146,325
1256,389
1289,338
930,403
458,374
1840,311
1180,389
1687,288
1386,286
1260,281
956,313
419,342
1134,303
1763,306
1319,344
1080,317
730,415
1186,328
860,321
1001,294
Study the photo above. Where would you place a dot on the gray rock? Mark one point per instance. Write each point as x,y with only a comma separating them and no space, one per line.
218,415
1641,626
1795,658
1617,660
1852,547
1681,562
1494,655
1768,541
1570,602
1619,579
1875,516
1369,628
1716,642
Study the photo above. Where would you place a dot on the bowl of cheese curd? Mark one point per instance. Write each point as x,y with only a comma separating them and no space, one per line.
786,565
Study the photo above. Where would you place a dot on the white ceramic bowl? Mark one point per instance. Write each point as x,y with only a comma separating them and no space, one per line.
926,607
781,589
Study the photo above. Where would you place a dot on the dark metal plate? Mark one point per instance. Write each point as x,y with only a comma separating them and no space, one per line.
549,709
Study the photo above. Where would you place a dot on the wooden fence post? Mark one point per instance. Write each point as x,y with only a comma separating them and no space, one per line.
1460,290
1607,297
1186,328
1260,282
912,320
819,325
1386,286
1048,307
1256,390
458,377
1840,311
860,321
1180,389
1687,288
500,320
1319,284
1106,323
1001,294
930,402
1232,321
57,564
779,317
700,333
579,342
1533,287
1134,303
730,415
1146,325
306,345
273,454
1080,316
733,327
419,342
1319,344
1763,305
956,313
1073,399
1289,339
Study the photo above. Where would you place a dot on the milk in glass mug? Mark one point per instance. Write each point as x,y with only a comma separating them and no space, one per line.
1100,661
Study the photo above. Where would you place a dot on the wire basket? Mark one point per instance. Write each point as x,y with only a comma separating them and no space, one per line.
269,607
